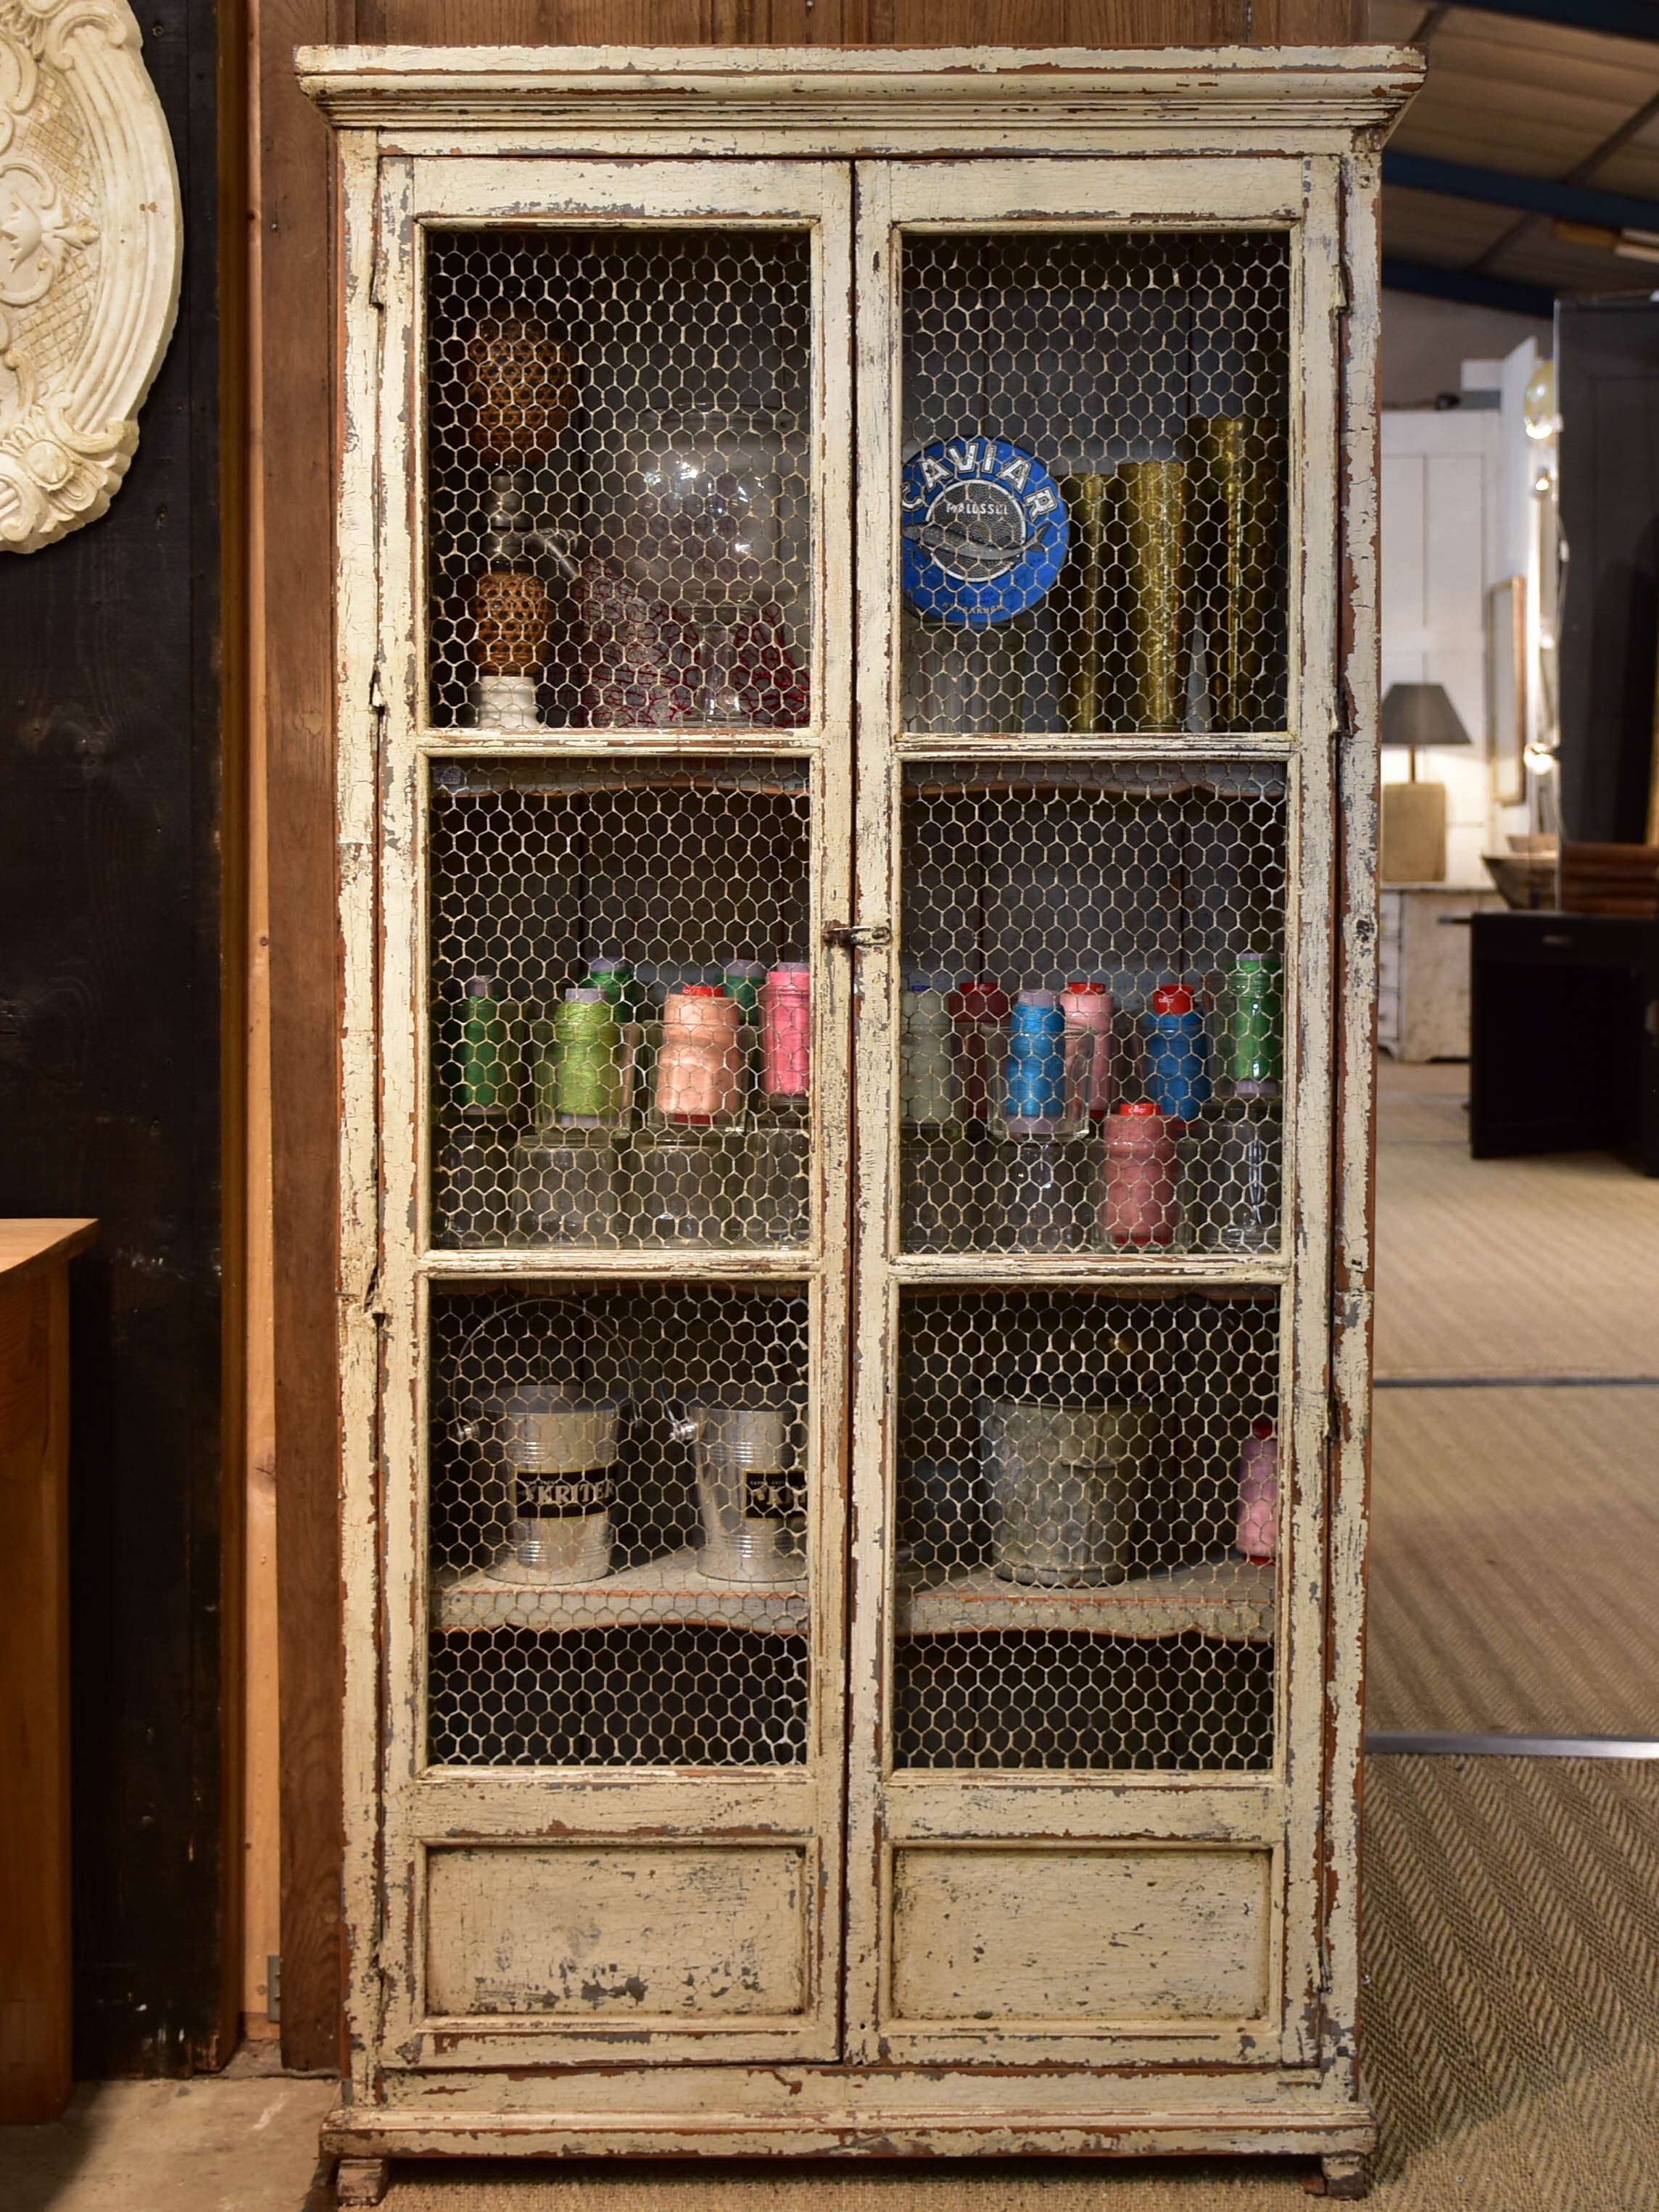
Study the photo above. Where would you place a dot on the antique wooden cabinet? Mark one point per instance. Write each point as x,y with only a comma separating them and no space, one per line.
856,613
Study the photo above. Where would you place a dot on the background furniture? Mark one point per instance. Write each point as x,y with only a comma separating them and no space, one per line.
1564,1042
1608,390
1416,717
34,1774
658,1857
1423,968
1616,879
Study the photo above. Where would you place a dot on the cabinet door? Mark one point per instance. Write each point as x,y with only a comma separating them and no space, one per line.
1097,476
613,652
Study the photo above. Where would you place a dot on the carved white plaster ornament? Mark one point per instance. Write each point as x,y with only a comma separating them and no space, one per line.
89,251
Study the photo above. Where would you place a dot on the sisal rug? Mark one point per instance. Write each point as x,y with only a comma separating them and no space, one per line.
1528,1266
1514,1562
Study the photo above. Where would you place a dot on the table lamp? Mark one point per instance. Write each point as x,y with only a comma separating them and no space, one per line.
1418,717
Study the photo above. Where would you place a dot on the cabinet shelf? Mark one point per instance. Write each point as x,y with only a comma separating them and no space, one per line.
668,1593
1230,1601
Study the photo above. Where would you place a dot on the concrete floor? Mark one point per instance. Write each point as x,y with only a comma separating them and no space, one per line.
242,2140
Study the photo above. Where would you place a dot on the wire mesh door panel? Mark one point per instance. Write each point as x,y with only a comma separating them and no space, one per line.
616,663
621,1510
1099,618
1086,1520
621,1004
1093,502
1091,1012
619,478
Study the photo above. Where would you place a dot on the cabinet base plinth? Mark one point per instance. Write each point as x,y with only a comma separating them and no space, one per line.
1346,2174
360,2181
1340,2136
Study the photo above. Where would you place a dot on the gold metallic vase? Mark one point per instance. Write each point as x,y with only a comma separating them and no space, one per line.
1082,688
1239,463
1152,500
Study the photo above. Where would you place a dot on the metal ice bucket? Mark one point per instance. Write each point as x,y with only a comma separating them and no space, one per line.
1063,1478
556,1456
747,1489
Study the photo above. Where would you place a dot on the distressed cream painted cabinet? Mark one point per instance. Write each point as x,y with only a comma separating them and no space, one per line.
857,636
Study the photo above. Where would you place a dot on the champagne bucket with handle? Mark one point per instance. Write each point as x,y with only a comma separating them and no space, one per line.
748,1492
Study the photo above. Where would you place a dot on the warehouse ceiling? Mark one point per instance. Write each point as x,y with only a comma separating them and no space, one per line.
1528,165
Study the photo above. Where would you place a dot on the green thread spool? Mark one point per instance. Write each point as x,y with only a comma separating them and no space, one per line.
615,979
538,1054
587,1064
741,980
927,1078
1255,1010
486,1049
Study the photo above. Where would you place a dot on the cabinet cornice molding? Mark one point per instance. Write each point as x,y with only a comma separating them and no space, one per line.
90,247
857,100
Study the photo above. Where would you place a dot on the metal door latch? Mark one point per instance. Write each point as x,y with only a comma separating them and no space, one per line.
857,936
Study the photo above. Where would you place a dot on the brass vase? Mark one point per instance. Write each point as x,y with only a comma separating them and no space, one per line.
1238,462
1082,689
1152,518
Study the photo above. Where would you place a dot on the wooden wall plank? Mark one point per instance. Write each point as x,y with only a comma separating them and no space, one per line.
293,436
837,22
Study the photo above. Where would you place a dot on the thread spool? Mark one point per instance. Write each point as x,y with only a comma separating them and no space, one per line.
1088,1008
1137,1177
699,1068
1035,1093
586,1068
786,1030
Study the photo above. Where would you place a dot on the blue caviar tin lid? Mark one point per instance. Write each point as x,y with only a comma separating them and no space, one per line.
984,530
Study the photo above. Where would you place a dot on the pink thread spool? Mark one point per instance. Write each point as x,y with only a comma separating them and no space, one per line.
1258,1495
700,1067
1138,1176
1088,1008
786,1030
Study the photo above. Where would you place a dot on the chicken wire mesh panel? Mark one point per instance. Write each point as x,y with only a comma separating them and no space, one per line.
1091,1018
621,1003
1087,1524
618,1526
1093,497
619,478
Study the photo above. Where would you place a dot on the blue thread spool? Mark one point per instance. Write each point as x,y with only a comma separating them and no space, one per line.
1035,1097
1177,1054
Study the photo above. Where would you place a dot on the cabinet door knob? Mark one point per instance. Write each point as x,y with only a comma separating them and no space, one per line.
857,936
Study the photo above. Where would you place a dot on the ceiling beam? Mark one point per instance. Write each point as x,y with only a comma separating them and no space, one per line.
1463,180
1624,19
1474,291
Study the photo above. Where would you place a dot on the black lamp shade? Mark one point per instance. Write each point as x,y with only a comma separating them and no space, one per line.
1421,715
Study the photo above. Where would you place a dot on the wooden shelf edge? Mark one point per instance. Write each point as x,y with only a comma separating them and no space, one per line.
31,1244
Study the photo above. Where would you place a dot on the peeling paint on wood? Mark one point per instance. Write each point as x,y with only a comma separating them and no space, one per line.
1103,1937
880,1962
705,1934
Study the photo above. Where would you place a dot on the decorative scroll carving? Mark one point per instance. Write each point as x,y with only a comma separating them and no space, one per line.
90,252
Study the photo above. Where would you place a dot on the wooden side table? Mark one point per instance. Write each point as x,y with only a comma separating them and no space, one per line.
1423,970
35,1779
